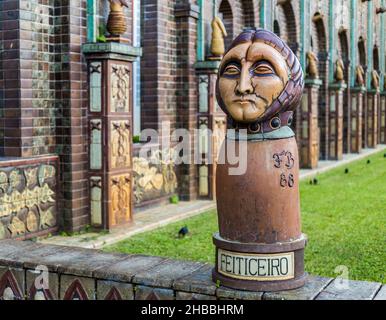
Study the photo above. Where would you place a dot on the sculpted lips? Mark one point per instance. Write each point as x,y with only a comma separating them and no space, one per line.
244,101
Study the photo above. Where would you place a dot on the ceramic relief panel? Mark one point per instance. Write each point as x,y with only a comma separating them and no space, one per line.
120,199
120,144
27,200
154,177
120,88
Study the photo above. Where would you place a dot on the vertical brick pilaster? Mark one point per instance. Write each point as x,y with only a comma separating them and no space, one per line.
186,17
10,131
71,108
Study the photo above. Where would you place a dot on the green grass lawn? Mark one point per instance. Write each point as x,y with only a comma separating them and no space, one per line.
344,217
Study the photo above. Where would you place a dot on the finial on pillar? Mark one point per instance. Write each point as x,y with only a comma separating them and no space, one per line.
217,47
116,23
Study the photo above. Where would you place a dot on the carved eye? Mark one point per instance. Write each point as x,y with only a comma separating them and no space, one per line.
232,70
263,68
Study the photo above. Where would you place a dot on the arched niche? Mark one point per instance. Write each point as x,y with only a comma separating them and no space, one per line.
376,65
276,28
319,47
248,13
344,53
362,53
226,14
289,26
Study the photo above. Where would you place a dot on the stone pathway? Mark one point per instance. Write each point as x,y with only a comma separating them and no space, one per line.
154,218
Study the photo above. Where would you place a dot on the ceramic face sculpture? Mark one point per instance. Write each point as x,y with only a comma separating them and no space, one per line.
260,82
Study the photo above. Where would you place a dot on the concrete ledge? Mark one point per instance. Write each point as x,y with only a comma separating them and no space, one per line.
86,274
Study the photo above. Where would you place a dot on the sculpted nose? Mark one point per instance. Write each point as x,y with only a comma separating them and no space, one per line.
245,85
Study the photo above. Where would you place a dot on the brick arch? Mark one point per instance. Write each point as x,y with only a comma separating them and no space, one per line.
237,15
290,24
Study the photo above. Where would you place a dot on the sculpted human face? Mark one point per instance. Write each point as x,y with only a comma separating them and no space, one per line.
252,76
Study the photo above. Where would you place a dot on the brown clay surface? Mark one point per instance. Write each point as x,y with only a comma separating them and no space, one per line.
259,207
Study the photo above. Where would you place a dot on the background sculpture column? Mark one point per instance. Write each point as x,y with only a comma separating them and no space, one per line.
307,128
382,128
335,143
356,118
211,119
259,245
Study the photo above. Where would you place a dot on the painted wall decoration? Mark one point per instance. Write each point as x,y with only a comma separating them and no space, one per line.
120,85
120,144
27,200
10,287
154,177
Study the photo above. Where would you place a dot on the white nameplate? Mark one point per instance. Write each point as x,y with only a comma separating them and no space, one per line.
258,267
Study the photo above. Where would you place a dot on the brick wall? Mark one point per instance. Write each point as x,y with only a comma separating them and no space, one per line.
44,95
158,64
10,132
287,16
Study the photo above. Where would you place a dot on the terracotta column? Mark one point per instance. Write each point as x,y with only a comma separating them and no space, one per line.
110,132
365,122
307,129
372,118
335,143
356,118
382,120
259,245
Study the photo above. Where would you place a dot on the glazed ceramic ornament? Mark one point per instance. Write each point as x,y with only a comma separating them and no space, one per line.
260,245
116,24
217,45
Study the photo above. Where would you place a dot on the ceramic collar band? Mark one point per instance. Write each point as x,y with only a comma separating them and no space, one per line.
278,121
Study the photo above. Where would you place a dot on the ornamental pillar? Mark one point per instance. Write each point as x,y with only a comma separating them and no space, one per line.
211,125
356,122
110,132
372,118
382,118
307,129
335,140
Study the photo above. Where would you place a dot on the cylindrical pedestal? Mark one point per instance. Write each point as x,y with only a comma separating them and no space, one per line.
260,245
